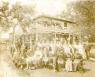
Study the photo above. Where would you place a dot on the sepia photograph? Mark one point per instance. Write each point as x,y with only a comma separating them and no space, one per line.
47,38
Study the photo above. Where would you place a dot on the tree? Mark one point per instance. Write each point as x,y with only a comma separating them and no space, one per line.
83,13
86,15
17,15
4,16
23,14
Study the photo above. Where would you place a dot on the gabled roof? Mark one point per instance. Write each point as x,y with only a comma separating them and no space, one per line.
55,18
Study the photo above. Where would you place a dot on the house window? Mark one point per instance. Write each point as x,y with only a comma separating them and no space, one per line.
65,24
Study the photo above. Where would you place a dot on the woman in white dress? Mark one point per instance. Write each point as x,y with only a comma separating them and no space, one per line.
82,50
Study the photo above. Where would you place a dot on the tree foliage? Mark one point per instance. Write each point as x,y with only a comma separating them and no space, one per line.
21,13
83,13
4,16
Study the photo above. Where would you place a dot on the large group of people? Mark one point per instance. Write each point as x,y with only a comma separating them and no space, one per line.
54,55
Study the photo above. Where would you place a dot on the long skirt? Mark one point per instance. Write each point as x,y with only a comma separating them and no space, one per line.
75,64
60,64
38,63
68,66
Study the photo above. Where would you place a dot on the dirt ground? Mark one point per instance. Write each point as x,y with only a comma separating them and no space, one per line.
7,68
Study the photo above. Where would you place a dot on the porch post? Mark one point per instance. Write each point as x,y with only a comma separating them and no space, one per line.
36,35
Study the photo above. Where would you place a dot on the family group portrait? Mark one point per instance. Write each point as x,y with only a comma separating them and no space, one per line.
47,38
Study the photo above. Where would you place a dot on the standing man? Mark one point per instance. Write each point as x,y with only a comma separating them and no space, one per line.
87,50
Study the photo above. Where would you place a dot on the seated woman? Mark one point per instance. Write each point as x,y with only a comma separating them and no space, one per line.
60,60
45,61
38,57
21,61
78,62
29,58
52,59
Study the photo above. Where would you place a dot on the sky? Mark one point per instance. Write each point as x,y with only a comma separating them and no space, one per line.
51,7
48,7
